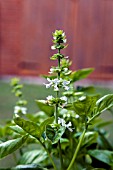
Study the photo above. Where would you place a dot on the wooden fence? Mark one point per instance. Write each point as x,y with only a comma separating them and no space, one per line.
25,35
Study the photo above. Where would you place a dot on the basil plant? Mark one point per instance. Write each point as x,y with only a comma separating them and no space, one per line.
66,134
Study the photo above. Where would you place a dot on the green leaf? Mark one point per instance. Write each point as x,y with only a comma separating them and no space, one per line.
85,106
90,138
49,110
54,133
97,169
10,146
103,142
102,155
29,166
30,127
45,123
104,103
34,156
81,74
18,129
64,143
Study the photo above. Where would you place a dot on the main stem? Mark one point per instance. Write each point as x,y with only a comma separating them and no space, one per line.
59,145
56,117
77,149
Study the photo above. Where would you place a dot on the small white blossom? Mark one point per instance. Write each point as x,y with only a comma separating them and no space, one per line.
66,88
65,83
48,86
66,57
64,98
51,70
50,83
54,38
77,116
56,83
53,47
68,126
63,34
63,123
56,88
65,69
49,97
18,109
65,40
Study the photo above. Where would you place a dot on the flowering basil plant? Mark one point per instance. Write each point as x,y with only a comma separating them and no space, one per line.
65,131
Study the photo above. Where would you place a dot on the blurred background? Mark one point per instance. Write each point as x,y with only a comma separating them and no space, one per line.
26,28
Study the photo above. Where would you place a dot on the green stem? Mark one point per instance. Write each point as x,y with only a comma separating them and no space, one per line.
56,113
77,150
60,155
50,157
59,62
93,117
59,145
56,116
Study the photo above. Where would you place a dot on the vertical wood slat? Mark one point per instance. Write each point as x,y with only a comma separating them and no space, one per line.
10,35
94,37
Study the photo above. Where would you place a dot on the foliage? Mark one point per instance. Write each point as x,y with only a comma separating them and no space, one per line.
67,131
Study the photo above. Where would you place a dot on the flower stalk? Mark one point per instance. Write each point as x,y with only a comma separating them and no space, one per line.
77,150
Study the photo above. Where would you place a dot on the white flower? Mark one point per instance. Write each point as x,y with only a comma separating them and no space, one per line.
65,69
50,83
66,88
54,38
51,70
56,88
63,34
65,83
68,126
64,98
57,81
18,109
77,116
49,97
53,47
65,40
63,123
66,57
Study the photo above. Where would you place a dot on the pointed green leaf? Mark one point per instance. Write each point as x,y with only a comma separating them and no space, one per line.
103,156
54,133
85,106
29,166
34,156
18,129
45,123
104,103
49,110
90,138
81,74
30,127
10,146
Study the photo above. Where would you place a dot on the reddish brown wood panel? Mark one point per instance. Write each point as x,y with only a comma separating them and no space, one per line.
10,35
26,28
94,37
